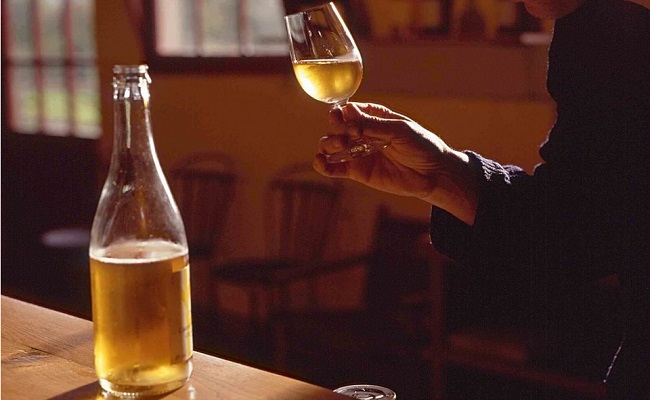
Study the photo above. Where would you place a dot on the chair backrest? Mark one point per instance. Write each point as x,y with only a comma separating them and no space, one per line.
203,185
399,265
302,210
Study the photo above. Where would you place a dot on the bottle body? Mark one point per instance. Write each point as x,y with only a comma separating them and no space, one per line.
141,313
140,280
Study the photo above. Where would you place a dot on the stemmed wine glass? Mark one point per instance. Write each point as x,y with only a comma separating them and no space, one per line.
328,66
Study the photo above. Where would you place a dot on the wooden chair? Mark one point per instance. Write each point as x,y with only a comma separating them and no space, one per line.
426,322
301,211
203,185
380,342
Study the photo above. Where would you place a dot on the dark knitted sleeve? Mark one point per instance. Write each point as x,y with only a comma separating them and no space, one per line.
523,228
583,213
466,244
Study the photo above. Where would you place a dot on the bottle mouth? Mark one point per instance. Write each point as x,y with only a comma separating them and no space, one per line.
131,69
126,75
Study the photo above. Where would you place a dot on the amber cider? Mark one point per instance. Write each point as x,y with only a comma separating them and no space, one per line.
329,81
141,317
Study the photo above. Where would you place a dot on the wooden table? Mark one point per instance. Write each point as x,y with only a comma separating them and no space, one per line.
49,355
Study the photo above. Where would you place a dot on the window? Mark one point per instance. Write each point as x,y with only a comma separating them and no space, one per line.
214,35
48,56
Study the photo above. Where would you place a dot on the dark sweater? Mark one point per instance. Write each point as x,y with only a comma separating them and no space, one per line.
585,211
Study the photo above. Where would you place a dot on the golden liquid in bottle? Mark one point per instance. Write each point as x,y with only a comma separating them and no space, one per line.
329,81
141,317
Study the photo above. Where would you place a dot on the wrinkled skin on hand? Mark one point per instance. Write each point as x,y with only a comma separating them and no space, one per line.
408,166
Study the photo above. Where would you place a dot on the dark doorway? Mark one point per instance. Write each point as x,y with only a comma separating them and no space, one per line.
48,183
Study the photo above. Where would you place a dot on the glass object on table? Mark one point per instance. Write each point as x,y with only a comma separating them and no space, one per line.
328,66
139,267
367,392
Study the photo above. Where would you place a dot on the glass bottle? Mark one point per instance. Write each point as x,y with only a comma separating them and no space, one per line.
138,258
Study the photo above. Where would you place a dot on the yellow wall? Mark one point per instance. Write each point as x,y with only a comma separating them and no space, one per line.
266,121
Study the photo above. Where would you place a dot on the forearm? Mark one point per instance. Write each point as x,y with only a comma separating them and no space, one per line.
456,188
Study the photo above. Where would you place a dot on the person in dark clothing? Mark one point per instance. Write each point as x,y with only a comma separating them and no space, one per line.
583,214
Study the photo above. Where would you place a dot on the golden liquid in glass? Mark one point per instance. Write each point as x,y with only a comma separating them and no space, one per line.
141,317
329,81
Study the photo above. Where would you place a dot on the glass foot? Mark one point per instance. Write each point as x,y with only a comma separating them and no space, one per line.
361,148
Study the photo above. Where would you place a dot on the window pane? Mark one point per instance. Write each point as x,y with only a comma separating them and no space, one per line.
220,28
83,28
52,32
220,19
24,99
55,98
20,26
86,103
266,34
174,28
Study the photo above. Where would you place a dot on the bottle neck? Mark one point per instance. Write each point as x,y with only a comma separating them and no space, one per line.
132,117
136,204
134,163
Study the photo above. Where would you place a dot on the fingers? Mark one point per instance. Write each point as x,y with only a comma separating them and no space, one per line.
337,122
373,120
333,143
339,125
357,119
369,110
354,120
356,112
332,170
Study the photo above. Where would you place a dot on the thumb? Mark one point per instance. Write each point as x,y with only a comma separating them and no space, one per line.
376,110
374,120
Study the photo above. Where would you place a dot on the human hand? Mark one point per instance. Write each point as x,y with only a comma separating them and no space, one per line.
416,163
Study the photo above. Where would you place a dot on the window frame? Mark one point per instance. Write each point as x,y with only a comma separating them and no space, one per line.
204,64
40,62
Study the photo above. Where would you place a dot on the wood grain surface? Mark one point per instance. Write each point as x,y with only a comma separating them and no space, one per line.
49,355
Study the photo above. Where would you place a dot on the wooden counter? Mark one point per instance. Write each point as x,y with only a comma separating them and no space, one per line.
49,355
